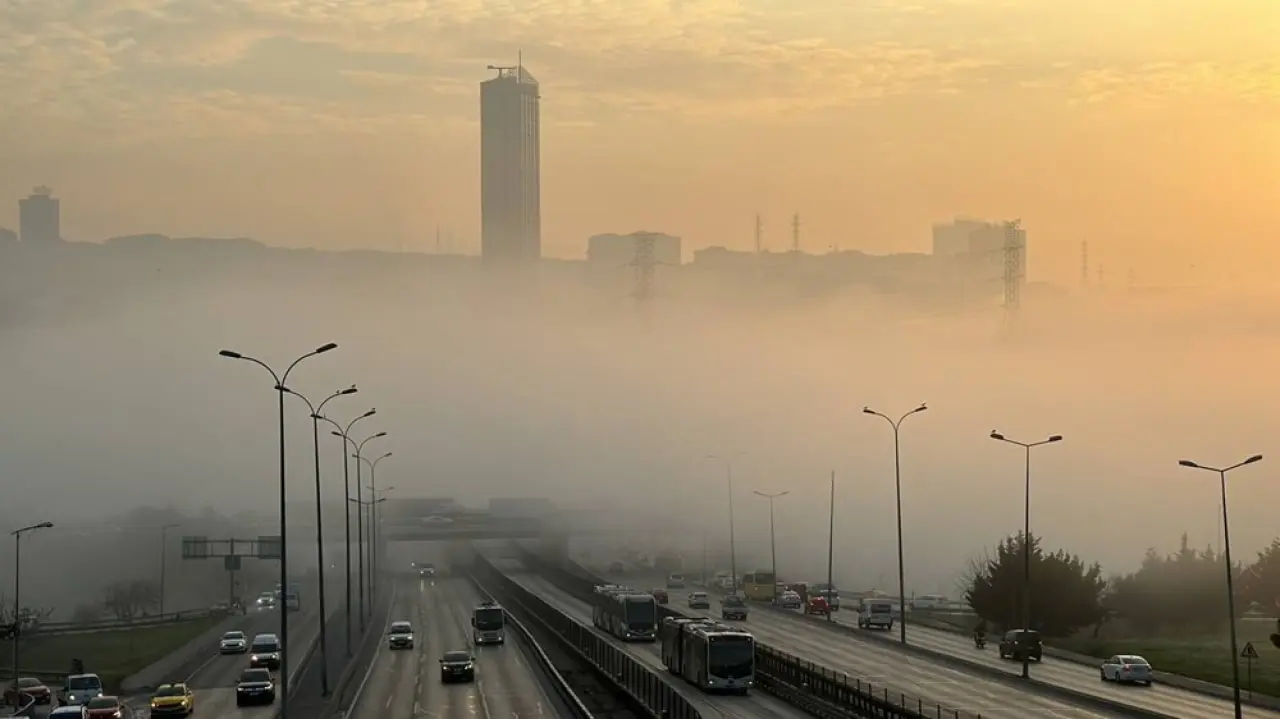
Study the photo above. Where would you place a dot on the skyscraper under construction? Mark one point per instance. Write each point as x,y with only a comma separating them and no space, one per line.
510,189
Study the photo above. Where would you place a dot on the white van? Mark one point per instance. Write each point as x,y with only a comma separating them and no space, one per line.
876,614
930,602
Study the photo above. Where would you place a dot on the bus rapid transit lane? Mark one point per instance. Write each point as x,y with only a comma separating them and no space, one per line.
756,705
886,666
1165,699
406,683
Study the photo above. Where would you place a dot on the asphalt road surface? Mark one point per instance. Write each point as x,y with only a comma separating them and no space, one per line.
406,683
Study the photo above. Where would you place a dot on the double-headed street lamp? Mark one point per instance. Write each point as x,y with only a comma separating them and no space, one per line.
1026,536
897,483
773,547
1226,548
374,537
733,546
360,517
344,433
315,438
281,388
17,597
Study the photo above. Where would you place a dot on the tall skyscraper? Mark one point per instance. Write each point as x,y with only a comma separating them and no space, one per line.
39,217
510,190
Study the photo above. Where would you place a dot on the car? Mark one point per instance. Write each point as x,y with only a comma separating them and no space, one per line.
255,687
788,599
437,519
675,581
265,652
1126,668
233,642
733,607
660,596
79,689
174,699
105,707
400,636
457,666
425,569
75,712
1019,643
29,687
699,600
818,605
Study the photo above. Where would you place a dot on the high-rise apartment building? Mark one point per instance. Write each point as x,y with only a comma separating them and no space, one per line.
510,190
39,217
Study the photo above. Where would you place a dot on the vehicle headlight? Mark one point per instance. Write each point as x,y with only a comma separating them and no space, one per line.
254,658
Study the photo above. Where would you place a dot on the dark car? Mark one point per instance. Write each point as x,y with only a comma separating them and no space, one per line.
660,596
1019,643
29,687
105,707
457,666
265,652
400,636
255,687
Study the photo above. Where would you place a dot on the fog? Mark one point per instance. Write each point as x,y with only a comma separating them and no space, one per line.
560,389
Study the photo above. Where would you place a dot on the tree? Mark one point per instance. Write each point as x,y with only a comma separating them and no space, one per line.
1066,594
30,618
1185,590
126,600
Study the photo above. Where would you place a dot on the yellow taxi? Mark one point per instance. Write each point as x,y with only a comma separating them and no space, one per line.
174,699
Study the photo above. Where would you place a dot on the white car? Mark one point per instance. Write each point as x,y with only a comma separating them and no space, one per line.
437,519
79,689
233,643
1127,668
790,600
699,600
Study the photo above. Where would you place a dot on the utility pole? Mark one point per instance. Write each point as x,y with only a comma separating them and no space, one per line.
759,235
831,547
795,232
1013,267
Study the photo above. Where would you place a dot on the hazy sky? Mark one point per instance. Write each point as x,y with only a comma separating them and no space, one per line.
1147,126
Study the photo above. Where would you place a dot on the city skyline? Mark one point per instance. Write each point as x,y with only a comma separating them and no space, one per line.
1136,130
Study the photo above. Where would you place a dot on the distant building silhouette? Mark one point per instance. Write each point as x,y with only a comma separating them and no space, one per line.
510,187
7,236
39,217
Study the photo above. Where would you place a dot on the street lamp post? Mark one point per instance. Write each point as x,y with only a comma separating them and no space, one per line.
1026,536
280,389
374,536
324,612
344,433
164,532
360,519
773,547
733,546
17,598
1226,548
897,484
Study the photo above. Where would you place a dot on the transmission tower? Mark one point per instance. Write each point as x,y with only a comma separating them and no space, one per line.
643,264
1084,264
1013,276
795,232
759,234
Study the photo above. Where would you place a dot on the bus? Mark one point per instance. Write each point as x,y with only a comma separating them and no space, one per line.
489,624
709,655
759,585
628,615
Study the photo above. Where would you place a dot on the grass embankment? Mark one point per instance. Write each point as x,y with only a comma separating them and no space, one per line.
112,655
1203,657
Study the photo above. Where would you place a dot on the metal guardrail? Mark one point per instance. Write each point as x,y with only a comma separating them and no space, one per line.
48,629
571,698
646,688
791,678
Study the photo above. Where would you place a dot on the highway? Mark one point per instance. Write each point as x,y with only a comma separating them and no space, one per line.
757,705
886,666
1164,699
406,682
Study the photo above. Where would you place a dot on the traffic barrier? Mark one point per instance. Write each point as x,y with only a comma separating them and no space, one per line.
49,629
570,698
805,684
647,690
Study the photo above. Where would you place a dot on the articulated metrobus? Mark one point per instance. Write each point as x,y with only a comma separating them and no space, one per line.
759,585
709,655
628,615
489,624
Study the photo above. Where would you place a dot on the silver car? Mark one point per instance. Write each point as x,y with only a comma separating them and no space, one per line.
1127,668
233,643
79,689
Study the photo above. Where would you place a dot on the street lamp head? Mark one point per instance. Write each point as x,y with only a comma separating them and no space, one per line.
1055,438
49,525
996,435
388,454
370,413
232,355
380,434
921,408
350,390
325,348
868,410
335,433
1188,463
1254,458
